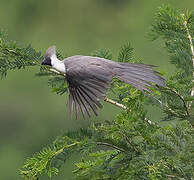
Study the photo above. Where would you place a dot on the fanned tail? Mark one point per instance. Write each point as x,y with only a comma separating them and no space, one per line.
138,75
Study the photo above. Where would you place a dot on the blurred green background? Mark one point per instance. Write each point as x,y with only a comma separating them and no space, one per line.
30,115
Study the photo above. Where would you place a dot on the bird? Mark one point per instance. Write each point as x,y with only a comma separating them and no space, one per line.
89,78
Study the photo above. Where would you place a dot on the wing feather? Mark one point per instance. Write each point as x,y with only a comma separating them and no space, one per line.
87,85
73,93
71,102
84,103
89,102
81,105
92,97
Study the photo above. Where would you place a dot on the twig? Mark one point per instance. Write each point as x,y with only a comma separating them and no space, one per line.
181,98
129,141
111,145
124,108
190,40
192,53
98,143
57,72
171,176
65,147
115,103
168,108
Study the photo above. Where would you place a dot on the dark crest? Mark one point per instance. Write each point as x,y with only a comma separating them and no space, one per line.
50,51
47,57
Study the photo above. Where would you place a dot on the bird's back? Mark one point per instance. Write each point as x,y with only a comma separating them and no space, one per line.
87,62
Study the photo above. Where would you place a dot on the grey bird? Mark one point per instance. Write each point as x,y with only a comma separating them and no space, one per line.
89,78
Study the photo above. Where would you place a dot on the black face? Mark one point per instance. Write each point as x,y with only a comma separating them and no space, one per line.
47,61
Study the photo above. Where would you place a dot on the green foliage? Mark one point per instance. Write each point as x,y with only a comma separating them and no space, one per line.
174,28
141,151
127,148
131,146
126,52
51,158
58,85
103,53
169,25
12,56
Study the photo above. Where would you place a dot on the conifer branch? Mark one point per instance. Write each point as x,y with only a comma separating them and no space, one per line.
65,147
115,103
165,105
111,145
57,72
53,70
171,176
181,98
192,51
129,141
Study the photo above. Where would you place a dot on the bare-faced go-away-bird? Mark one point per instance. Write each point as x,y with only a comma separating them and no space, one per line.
89,78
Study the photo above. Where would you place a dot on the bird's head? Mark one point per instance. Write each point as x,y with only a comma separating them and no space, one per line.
51,51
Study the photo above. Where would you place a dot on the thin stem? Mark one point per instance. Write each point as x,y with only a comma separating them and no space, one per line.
124,108
171,176
111,145
192,53
129,141
57,72
168,108
65,147
190,41
115,103
181,98
98,143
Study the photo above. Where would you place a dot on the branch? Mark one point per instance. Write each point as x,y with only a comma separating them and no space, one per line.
112,146
168,108
171,176
181,98
98,143
192,51
65,147
57,72
129,141
115,103
124,108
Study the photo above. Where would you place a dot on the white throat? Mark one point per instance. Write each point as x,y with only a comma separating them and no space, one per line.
57,64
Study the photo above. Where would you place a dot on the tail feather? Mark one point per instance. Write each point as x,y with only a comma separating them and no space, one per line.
138,75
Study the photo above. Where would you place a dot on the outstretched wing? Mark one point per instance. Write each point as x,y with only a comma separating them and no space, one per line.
88,81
